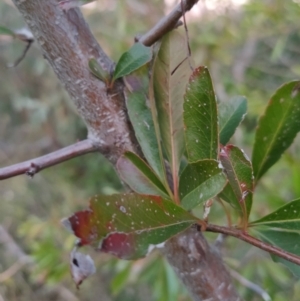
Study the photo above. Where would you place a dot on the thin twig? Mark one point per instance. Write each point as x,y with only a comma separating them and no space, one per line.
227,213
186,28
20,59
11,271
250,285
167,23
254,241
187,35
27,261
31,167
12,247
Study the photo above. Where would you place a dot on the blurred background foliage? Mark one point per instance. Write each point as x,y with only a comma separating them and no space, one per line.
251,48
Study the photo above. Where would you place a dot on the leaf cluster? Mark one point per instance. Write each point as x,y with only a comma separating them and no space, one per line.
184,134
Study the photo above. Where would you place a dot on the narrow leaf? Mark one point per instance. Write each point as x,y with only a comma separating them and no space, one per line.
98,71
200,117
286,217
139,176
239,172
228,195
142,119
137,56
231,114
200,182
128,225
170,75
277,128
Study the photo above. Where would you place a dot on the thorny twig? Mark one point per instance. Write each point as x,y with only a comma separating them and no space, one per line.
187,35
167,23
254,241
31,167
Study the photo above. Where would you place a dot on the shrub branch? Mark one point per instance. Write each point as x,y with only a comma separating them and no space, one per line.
31,167
254,241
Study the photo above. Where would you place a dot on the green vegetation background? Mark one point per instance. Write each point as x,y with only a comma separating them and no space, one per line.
250,50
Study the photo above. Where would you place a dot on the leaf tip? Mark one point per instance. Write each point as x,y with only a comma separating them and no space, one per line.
67,224
295,90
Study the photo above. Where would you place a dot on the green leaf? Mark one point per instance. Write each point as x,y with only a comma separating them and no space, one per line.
239,172
98,71
6,31
142,120
200,117
231,114
128,225
170,75
277,128
166,286
227,194
286,240
139,176
294,268
282,229
137,56
200,182
286,217
120,281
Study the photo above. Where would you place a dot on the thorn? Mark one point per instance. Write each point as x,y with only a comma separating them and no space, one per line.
137,38
201,225
32,170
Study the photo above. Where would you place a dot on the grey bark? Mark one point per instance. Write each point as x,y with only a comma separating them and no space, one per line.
200,267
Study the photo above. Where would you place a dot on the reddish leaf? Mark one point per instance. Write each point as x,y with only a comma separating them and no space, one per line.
128,225
240,176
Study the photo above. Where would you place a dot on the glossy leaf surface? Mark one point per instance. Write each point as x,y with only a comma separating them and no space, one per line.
139,176
277,128
239,172
137,56
142,120
286,217
200,117
128,225
170,74
231,114
200,182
